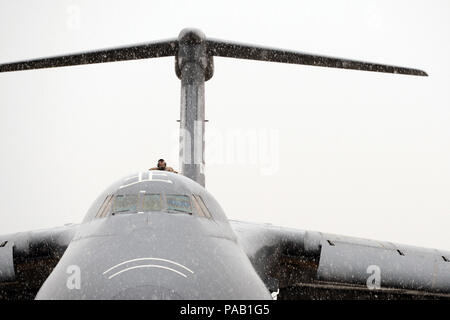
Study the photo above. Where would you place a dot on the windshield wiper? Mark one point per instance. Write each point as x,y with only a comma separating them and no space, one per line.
122,211
178,211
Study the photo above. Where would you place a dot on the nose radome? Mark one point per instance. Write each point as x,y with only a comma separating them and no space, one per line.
148,292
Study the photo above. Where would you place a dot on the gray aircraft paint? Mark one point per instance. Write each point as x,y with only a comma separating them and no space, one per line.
163,255
183,256
415,270
166,255
6,262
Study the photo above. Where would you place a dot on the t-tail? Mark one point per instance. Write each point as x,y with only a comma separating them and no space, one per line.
194,65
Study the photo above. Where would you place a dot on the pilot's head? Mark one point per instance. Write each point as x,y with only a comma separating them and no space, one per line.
161,164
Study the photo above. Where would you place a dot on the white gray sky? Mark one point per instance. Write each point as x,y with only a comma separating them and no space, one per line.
346,152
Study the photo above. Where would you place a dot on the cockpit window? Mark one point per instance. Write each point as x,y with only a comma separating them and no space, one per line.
106,206
200,206
148,202
125,203
180,203
197,207
151,202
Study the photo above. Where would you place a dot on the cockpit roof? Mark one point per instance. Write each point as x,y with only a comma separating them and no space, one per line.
157,182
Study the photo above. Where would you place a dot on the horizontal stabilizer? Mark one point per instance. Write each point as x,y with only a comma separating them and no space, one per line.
244,51
213,47
133,52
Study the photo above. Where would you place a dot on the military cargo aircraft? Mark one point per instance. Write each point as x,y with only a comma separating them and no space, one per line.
161,235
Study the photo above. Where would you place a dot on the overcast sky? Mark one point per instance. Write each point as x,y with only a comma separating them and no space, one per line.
345,152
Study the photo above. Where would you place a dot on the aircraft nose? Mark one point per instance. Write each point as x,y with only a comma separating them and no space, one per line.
148,292
148,278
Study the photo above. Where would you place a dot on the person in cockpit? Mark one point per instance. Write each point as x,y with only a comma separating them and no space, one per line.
163,166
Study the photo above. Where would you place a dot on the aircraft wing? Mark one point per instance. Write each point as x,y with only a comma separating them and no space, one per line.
313,265
27,259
